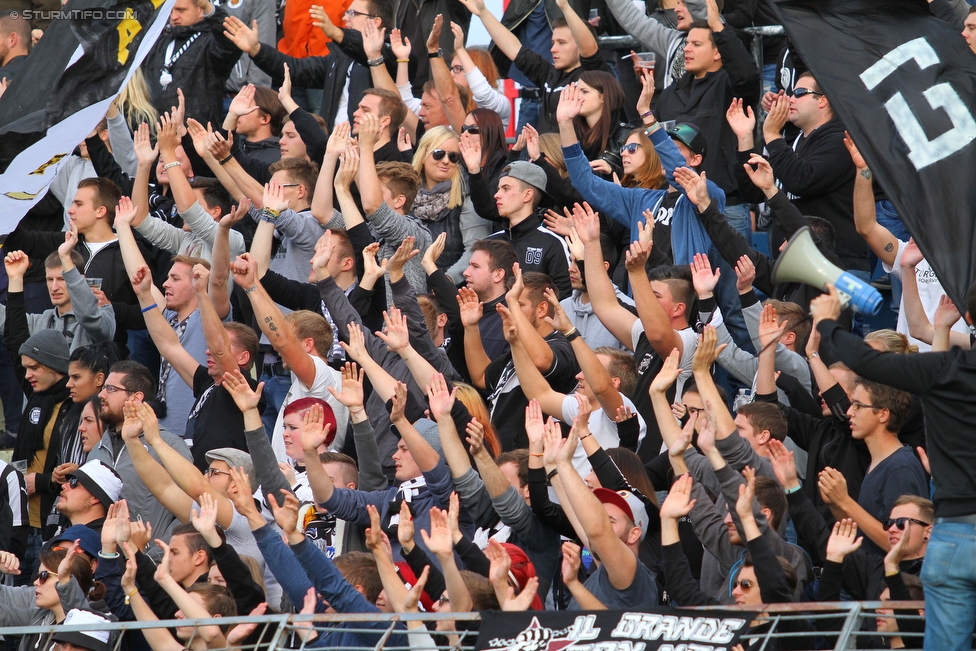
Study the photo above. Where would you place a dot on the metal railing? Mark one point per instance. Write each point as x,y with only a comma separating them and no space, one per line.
384,631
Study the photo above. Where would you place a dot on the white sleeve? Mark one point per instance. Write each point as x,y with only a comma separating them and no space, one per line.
895,269
487,97
406,94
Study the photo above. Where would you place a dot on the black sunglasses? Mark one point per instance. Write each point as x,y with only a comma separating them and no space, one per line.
473,129
630,148
800,92
73,482
44,575
452,156
901,523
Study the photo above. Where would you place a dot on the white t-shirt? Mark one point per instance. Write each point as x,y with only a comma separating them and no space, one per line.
603,428
929,291
689,339
325,376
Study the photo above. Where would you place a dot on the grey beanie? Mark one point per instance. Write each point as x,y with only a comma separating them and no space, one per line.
48,347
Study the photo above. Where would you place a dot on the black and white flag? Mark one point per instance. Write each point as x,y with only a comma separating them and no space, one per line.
64,88
904,85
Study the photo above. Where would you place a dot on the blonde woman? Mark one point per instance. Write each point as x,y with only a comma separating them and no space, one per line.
443,203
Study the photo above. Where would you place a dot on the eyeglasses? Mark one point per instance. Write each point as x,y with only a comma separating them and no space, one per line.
349,14
444,599
111,388
457,69
861,405
473,129
630,148
44,575
453,156
800,92
213,471
745,584
694,410
901,523
289,185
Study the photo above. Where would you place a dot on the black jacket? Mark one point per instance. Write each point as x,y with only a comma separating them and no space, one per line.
539,249
704,102
10,70
201,71
515,14
819,179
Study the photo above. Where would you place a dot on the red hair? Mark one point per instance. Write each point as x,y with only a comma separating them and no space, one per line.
522,570
302,405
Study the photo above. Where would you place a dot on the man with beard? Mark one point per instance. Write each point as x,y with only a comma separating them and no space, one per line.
128,380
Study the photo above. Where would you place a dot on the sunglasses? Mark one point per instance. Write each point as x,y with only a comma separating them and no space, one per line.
745,584
901,523
439,154
473,129
44,575
457,69
800,92
630,148
73,482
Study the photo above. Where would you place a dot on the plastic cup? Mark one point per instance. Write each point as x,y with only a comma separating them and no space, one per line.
20,466
646,60
94,283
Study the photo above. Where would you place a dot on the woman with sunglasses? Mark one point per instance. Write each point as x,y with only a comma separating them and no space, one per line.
442,202
64,578
475,70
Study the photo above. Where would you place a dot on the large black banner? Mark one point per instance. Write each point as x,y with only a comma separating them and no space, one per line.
64,89
904,85
668,629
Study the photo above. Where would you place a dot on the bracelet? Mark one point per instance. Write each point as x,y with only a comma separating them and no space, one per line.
151,307
167,166
647,113
129,595
250,289
358,411
403,60
586,437
573,334
812,355
225,161
552,474
108,555
269,215
536,454
373,63
790,491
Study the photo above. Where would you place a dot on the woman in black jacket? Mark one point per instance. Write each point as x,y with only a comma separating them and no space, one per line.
599,126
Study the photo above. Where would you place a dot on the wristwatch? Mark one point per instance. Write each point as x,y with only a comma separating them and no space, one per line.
439,54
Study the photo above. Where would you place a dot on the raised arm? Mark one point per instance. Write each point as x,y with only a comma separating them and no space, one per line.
882,242
501,36
322,205
701,365
272,322
584,38
220,256
447,89
475,356
216,336
162,333
657,322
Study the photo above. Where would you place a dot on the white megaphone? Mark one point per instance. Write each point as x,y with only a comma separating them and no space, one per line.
802,262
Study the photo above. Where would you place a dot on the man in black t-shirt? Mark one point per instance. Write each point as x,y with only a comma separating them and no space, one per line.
550,352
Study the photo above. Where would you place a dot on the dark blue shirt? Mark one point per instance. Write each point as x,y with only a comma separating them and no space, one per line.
899,474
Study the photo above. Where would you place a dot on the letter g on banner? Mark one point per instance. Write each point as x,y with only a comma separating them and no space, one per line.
923,152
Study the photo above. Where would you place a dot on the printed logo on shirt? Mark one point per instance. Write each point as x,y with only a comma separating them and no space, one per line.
644,363
35,415
533,255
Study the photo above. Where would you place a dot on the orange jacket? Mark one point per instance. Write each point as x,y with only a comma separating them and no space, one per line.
303,39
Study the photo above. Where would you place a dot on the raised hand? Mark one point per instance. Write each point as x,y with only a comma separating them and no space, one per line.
776,118
405,530
770,330
200,136
571,553
833,485
243,102
500,564
440,400
647,91
244,37
321,20
16,263
150,424
237,386
702,276
142,145
854,152
338,140
695,186
518,286
553,442
369,131
274,196
683,442
474,6
237,213
374,532
532,142
707,351
741,119
64,568
315,432
912,255
438,541
559,319
762,176
471,308
471,152
435,34
399,408
352,387
637,256
668,374
826,306
509,327
433,253
475,437
535,427
573,241
373,270
70,240
167,135
218,145
892,560
747,494
204,520
397,335
946,314
586,222
645,229
412,600
9,563
125,212
745,274
285,515
843,540
131,425
201,279
404,254
373,38
403,140
784,465
706,435
356,348
570,103
400,45
678,503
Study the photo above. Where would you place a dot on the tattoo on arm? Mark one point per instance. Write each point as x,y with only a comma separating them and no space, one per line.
271,325
866,173
889,247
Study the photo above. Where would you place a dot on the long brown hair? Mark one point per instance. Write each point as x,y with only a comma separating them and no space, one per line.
552,149
650,175
594,139
492,133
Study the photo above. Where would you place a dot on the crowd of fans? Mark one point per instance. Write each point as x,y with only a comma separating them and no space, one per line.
296,330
